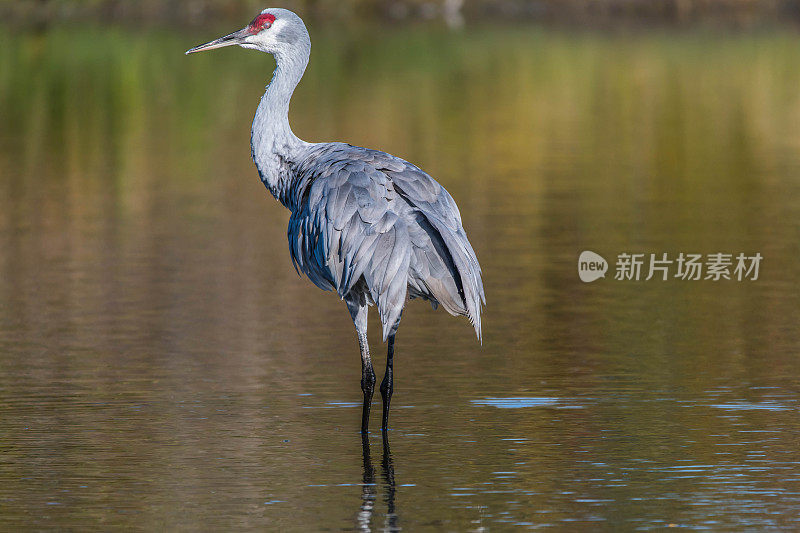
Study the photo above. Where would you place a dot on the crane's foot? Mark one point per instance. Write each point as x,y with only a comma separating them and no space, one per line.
368,387
365,421
386,393
387,385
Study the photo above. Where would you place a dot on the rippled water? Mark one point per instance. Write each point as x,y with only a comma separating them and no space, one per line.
162,366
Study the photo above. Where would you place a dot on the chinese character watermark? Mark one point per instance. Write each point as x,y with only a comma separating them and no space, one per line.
683,266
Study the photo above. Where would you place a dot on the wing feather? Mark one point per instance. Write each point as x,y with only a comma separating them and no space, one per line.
364,214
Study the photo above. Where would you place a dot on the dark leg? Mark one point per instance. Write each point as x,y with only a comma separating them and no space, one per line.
387,385
358,312
388,477
367,488
367,381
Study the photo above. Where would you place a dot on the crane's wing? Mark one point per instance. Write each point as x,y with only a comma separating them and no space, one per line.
439,210
362,212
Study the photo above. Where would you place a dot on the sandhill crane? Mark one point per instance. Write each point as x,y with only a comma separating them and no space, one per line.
369,225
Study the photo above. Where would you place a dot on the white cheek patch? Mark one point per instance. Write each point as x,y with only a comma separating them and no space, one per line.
278,25
276,28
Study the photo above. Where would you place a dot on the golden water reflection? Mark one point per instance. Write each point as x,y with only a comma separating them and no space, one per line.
164,367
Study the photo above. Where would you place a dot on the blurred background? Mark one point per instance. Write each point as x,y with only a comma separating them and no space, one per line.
584,12
162,366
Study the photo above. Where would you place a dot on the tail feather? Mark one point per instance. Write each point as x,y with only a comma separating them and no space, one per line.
460,290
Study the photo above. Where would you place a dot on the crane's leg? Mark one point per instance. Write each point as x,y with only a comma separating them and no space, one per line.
367,377
358,312
387,385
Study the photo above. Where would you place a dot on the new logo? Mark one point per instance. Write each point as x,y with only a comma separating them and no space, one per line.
591,266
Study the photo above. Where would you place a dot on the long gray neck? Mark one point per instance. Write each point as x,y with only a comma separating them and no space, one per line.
272,142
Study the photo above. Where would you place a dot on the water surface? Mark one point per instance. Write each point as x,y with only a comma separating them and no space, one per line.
163,367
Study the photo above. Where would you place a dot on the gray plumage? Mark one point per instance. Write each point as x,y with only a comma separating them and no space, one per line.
361,215
372,227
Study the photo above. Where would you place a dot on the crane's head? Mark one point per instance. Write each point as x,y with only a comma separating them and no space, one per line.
273,31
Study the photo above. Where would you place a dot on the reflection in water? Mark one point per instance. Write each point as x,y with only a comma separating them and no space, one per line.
517,403
368,487
387,466
162,367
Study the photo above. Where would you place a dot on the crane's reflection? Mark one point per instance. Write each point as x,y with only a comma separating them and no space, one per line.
369,488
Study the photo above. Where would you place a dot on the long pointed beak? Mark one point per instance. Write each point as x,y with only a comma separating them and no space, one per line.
236,37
